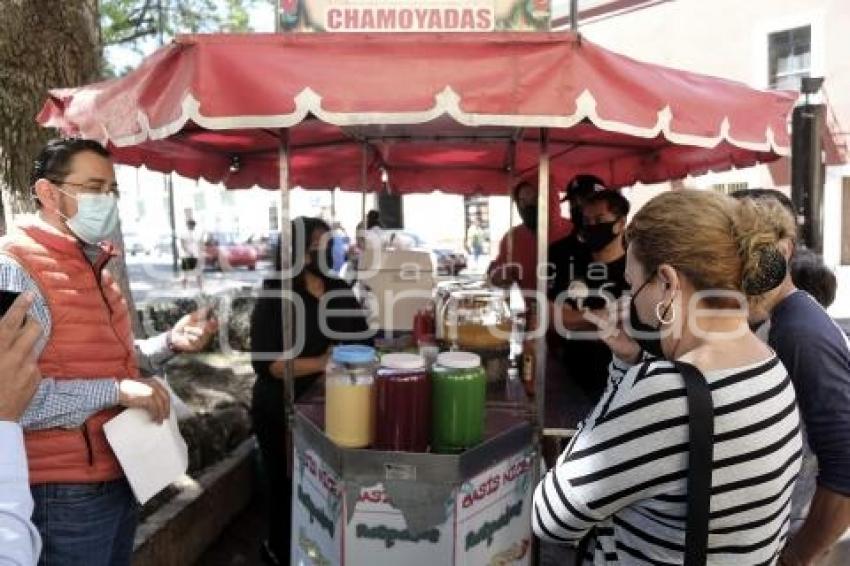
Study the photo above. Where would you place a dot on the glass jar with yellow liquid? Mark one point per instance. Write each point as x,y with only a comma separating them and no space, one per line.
350,396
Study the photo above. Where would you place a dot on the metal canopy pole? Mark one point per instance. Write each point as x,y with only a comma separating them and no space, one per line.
363,174
542,260
286,280
511,178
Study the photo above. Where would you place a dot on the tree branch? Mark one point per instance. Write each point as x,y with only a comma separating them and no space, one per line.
138,34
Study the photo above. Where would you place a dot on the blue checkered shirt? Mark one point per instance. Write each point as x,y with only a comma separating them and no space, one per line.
67,403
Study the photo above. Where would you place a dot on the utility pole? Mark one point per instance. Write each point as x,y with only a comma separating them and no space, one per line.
169,182
574,15
161,17
169,187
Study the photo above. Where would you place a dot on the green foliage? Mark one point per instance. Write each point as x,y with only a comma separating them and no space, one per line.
237,19
131,23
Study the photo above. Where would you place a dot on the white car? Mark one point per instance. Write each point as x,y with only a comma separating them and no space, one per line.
133,245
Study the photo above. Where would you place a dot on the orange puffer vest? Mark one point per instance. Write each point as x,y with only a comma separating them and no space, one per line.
91,338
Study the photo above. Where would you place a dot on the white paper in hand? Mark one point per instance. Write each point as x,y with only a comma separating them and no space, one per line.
152,455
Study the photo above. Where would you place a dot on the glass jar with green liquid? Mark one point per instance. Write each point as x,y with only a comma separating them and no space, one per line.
459,390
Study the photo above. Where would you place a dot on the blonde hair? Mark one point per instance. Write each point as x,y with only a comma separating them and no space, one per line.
717,242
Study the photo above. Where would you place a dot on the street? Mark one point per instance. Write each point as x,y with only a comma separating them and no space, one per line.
152,279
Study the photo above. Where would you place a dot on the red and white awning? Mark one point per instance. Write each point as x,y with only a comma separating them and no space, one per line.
457,112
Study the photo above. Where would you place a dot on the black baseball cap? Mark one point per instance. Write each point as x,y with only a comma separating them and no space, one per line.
582,186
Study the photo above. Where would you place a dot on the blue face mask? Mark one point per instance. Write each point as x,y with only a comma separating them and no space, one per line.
96,217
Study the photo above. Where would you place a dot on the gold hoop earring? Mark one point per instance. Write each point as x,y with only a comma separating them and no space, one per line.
669,311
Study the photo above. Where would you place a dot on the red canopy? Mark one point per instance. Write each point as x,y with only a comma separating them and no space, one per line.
450,112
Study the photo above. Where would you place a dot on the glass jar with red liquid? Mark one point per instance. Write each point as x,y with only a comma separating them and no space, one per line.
403,404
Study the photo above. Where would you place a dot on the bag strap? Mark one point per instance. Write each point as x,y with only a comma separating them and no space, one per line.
700,463
583,547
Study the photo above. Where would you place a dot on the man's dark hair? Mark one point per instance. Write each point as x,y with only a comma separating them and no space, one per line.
767,194
810,274
55,157
617,203
520,186
582,186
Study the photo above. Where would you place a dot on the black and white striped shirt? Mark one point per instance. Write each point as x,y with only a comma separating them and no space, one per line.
624,472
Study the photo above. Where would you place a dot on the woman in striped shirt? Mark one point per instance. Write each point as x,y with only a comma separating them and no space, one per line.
622,481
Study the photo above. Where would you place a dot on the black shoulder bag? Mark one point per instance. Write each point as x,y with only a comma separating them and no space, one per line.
700,464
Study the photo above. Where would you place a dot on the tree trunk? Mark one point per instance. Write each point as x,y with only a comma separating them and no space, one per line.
118,270
44,44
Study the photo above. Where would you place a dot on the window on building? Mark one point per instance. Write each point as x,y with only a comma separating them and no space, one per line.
789,56
845,222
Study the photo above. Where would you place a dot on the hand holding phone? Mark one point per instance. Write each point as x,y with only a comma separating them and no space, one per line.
7,299
19,374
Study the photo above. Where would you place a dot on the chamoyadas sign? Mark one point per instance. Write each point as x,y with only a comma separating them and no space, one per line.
412,15
455,16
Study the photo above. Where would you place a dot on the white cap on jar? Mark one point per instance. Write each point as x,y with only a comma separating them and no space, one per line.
459,360
403,361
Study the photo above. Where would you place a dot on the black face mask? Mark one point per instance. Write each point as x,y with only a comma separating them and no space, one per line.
576,217
529,216
650,342
597,236
754,326
318,265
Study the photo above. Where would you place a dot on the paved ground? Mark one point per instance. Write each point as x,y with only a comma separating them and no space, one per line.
239,545
152,278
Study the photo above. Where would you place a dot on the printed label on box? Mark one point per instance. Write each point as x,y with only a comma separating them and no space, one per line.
494,514
316,512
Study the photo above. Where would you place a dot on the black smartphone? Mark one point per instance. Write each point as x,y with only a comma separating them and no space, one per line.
6,300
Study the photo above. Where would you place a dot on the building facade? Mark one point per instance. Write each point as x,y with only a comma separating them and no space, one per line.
765,44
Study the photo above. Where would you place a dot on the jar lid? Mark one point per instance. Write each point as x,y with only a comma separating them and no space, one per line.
353,355
459,360
402,361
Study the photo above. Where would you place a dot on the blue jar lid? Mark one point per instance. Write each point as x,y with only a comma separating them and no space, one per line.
353,355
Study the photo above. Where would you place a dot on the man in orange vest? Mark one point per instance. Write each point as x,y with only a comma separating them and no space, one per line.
85,511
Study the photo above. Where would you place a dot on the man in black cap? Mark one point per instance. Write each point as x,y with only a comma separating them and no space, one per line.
571,250
594,279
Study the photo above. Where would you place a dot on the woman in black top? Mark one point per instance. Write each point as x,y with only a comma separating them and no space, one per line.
321,294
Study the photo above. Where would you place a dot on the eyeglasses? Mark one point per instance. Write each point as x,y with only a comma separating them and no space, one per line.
90,188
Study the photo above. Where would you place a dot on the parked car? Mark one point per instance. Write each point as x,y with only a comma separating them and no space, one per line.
133,244
265,244
224,251
449,262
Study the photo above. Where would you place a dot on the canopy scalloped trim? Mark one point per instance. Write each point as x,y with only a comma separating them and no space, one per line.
446,103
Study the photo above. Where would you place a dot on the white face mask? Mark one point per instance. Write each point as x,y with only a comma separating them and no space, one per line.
96,217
